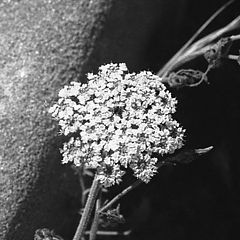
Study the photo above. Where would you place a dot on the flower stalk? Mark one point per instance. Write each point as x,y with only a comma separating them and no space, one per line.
87,209
94,227
121,120
191,49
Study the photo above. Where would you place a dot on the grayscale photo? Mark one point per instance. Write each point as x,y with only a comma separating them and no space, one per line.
119,119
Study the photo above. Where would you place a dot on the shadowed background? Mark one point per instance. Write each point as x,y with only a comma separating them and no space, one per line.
46,44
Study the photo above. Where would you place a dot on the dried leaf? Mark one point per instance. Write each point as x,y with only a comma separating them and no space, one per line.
112,217
46,234
187,156
186,77
219,50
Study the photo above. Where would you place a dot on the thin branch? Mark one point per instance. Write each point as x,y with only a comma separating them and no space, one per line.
233,57
204,44
205,25
111,233
215,35
94,227
167,67
87,209
185,156
120,195
234,38
82,185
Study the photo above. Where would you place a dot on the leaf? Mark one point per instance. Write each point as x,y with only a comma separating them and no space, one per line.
186,156
219,50
112,216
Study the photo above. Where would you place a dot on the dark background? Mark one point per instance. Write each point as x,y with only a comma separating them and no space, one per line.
50,43
199,200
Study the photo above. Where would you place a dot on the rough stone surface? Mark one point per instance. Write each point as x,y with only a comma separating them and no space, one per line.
44,45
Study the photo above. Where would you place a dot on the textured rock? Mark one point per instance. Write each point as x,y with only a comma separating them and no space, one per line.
44,45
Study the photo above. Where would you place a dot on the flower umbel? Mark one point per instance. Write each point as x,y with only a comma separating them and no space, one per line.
120,120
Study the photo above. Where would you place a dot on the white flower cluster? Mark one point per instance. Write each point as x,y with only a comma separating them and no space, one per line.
119,120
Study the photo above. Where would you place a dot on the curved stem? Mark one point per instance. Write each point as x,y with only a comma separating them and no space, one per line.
120,195
184,156
171,63
87,209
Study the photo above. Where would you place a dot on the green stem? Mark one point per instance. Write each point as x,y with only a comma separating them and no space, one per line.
94,228
87,209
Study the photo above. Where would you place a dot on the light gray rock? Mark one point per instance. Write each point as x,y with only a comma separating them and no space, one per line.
44,45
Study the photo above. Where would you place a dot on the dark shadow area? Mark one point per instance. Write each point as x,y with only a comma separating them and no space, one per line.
195,201
200,200
59,199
